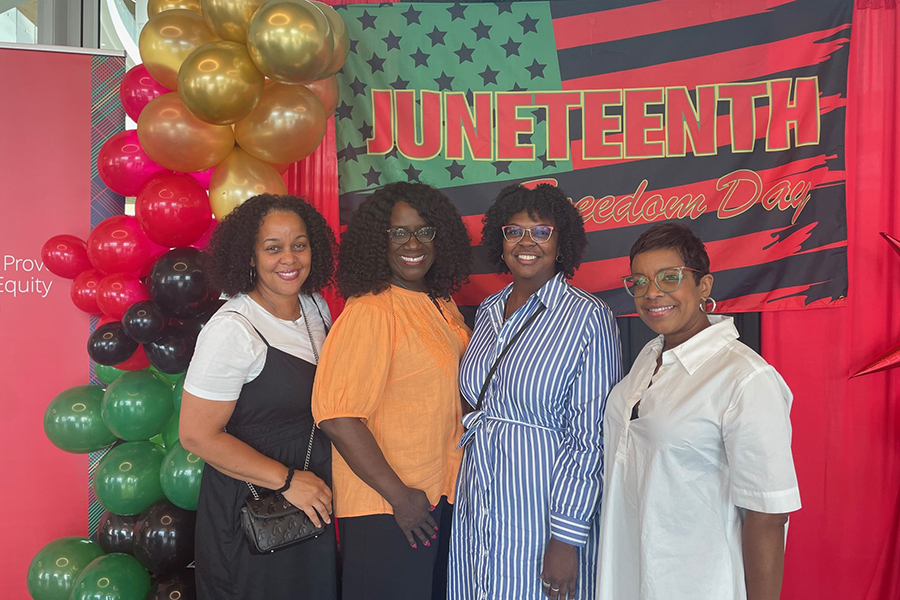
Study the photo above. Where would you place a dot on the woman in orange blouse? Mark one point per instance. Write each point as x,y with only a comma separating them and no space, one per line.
386,391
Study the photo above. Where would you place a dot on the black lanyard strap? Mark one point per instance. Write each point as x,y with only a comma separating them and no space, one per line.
496,364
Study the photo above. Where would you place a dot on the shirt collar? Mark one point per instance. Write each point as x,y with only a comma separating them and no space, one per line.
550,295
704,345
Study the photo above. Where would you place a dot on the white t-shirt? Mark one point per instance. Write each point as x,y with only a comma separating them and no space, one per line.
229,353
713,438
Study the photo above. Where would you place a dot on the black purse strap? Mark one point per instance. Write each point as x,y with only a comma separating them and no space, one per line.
496,364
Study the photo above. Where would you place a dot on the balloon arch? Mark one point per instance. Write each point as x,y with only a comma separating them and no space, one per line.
230,93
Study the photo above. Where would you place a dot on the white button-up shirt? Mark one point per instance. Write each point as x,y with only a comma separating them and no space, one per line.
713,437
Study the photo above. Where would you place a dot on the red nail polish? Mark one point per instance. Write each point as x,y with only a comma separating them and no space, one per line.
434,537
415,546
427,543
432,507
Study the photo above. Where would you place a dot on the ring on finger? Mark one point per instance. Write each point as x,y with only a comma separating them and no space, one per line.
553,589
545,584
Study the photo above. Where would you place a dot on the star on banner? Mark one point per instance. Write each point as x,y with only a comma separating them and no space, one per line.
372,177
358,87
528,24
344,111
482,31
502,166
412,15
420,58
437,37
511,47
412,173
465,54
376,63
400,84
392,41
445,82
455,170
489,75
536,69
457,11
366,20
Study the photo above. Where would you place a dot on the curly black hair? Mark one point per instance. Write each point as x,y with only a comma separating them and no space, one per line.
545,201
233,244
363,265
678,237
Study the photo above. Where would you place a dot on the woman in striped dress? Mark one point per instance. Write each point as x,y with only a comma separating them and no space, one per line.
542,358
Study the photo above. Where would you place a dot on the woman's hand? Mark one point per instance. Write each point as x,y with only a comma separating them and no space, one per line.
560,572
311,495
413,515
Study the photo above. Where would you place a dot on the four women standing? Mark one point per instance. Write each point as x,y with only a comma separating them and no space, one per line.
698,473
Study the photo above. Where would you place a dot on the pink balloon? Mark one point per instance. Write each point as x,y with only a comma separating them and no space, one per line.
123,165
117,292
117,245
173,210
138,88
203,177
203,242
65,255
84,291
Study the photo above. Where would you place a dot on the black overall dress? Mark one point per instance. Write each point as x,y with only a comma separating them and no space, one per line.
273,416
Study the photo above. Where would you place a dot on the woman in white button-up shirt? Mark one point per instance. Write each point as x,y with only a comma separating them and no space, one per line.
699,477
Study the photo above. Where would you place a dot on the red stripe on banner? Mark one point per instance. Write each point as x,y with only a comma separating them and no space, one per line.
743,64
723,134
776,300
646,19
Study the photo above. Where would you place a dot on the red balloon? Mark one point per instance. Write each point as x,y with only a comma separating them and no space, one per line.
117,245
123,165
138,88
203,177
84,291
173,210
137,362
65,255
117,292
204,240
105,319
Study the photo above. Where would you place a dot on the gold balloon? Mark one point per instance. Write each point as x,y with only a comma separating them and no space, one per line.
327,91
219,83
238,178
286,125
341,40
290,41
178,140
167,39
229,19
154,7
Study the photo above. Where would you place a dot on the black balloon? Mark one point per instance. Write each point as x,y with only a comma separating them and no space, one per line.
110,345
164,537
144,321
180,284
175,586
172,352
115,533
195,325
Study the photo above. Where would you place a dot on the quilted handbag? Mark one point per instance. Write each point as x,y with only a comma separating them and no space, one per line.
272,523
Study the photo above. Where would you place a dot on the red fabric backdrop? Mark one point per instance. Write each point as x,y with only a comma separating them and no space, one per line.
845,542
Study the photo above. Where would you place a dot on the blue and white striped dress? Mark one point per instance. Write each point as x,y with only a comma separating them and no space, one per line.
534,453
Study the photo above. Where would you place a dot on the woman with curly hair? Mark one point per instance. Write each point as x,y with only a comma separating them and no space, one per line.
542,358
246,403
386,392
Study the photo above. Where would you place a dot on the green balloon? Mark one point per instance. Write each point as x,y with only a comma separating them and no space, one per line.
172,378
56,566
107,374
180,477
127,479
176,393
73,420
137,405
170,433
112,577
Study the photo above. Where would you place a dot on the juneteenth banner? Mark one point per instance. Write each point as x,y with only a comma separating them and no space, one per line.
727,116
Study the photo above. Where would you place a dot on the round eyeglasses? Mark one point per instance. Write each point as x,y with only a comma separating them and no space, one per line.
401,236
539,234
667,280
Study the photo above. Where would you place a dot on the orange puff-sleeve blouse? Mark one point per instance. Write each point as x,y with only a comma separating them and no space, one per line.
392,360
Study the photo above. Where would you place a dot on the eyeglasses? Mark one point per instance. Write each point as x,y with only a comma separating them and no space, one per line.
667,280
400,236
539,234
